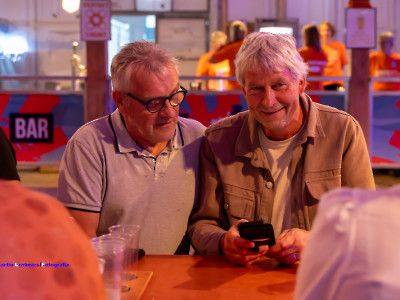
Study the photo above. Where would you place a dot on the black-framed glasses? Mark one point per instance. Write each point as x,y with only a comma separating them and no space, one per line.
156,104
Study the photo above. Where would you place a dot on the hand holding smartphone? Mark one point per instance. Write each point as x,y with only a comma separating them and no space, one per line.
260,232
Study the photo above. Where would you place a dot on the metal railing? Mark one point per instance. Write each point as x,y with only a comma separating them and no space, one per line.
76,85
22,84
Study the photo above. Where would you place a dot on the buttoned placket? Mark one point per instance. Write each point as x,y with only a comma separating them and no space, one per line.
160,164
264,208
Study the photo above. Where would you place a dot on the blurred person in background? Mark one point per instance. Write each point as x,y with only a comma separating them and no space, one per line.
237,34
8,161
139,165
385,63
337,57
313,55
205,68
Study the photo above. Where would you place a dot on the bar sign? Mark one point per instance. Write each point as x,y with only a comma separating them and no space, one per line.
31,128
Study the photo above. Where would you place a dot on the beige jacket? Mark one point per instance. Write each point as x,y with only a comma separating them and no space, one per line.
236,182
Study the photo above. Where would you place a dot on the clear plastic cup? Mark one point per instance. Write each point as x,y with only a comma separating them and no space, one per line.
110,252
131,233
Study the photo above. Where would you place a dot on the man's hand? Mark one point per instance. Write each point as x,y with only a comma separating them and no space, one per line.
236,249
289,246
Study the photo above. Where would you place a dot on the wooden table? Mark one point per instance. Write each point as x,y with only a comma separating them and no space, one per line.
213,277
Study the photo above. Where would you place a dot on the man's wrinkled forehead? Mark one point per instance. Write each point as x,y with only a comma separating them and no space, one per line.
266,67
279,74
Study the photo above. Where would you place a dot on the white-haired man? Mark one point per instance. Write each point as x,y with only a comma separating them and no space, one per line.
276,160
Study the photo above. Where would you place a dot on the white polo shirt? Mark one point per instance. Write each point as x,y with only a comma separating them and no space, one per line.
104,170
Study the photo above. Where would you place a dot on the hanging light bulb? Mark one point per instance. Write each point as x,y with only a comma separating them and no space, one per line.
70,6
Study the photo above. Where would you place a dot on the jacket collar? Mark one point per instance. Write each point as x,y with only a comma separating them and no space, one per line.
312,127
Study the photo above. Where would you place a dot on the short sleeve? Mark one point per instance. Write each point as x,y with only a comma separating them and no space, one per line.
80,183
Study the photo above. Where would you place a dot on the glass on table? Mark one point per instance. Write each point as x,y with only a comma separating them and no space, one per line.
131,233
110,254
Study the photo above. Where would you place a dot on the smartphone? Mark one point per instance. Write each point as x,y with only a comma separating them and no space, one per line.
260,232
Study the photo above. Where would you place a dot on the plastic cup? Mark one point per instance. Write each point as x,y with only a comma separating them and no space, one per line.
110,251
131,233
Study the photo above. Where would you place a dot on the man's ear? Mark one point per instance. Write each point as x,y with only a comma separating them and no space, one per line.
119,101
302,85
244,92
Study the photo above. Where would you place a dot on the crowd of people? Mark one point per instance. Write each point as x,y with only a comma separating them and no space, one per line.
189,187
325,56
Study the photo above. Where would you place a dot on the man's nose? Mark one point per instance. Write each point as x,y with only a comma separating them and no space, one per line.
168,109
269,97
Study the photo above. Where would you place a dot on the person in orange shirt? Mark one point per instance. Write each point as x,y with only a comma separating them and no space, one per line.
313,55
385,63
237,34
205,68
336,53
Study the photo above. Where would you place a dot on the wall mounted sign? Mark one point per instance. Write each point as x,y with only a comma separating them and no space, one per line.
184,37
361,28
39,125
96,20
31,128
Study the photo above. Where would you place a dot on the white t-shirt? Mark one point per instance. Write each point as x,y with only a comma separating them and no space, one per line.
353,249
279,156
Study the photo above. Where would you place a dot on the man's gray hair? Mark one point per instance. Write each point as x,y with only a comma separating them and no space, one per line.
139,57
271,52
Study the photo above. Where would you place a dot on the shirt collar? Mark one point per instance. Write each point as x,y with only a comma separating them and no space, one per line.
177,140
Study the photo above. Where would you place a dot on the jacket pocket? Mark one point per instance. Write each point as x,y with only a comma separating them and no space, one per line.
318,187
239,203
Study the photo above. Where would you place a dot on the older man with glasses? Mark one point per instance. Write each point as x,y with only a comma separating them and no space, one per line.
139,165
